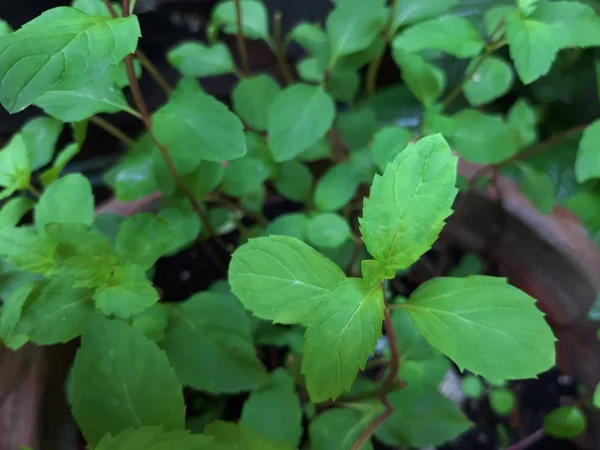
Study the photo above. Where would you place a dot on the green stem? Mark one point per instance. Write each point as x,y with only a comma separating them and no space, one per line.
153,71
112,130
241,42
280,49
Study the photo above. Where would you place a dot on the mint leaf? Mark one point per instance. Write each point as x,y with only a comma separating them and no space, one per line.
239,437
208,341
312,70
55,312
407,206
596,398
281,279
538,187
527,6
299,116
273,410
587,164
450,34
533,46
294,181
387,143
40,135
336,187
311,38
425,81
27,250
194,59
196,127
320,150
96,7
328,230
13,211
585,206
412,11
252,98
152,322
68,200
108,224
205,179
154,438
142,239
254,18
332,354
50,175
362,165
490,81
294,225
11,314
523,121
15,166
472,386
357,127
343,84
114,383
502,401
4,28
484,325
338,429
245,175
185,225
573,24
566,422
61,49
469,264
494,20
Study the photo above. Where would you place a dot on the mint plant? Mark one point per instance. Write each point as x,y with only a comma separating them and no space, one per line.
316,283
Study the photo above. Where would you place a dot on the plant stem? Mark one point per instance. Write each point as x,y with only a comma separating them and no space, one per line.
458,89
368,432
112,130
529,440
241,43
355,253
153,71
280,49
31,188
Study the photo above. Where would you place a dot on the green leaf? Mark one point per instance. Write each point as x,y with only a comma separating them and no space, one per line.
585,205
96,7
363,166
311,38
294,181
4,28
152,322
55,312
538,187
206,178
13,211
245,175
154,438
533,46
108,224
527,6
27,250
82,254
412,11
142,239
343,84
196,127
587,164
15,166
185,225
11,314
50,175
596,398
573,24
299,116
118,73
294,225
492,79
209,342
311,70
469,264
281,279
502,401
237,436
450,34
61,49
40,135
320,150
252,98
328,230
332,354
194,59
353,26
484,325
255,200
594,312
472,386
68,200
424,80
122,380
254,18
388,143
273,410
566,422
421,418
357,127
523,121
336,187
407,206
494,20
338,429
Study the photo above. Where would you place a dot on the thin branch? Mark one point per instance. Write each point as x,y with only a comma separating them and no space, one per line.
368,432
355,253
241,42
153,71
113,130
280,49
529,440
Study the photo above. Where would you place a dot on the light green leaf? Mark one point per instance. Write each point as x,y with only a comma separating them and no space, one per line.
527,6
245,175
273,410
208,341
587,164
281,279
573,24
469,264
311,38
484,325
4,28
252,98
412,11
237,436
50,175
566,422
472,386
533,46
362,165
40,135
127,292
114,383
196,127
387,143
61,49
13,211
118,73
154,438
332,354
320,150
407,206
538,187
338,429
96,7
68,200
424,80
205,178
294,225
11,314
294,181
328,230
55,312
152,322
194,59
490,81
254,18
596,398
27,250
450,34
502,401
15,166
494,20
357,127
352,26
523,121
298,117
311,70
142,239
336,187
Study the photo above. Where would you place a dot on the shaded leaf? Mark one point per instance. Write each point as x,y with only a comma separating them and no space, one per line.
15,166
40,135
424,80
294,225
142,239
328,230
387,143
566,422
338,428
194,59
294,181
587,164
252,98
154,438
336,187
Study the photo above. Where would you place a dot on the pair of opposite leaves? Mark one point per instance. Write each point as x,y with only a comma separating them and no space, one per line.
481,323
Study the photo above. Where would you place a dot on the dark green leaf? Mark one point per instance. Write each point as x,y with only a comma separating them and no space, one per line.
328,230
469,264
357,127
252,98
492,79
566,422
338,428
363,166
587,164
108,224
40,135
152,322
237,436
387,143
294,181
154,438
4,28
425,81
586,205
11,314
205,178
245,175
336,187
142,239
537,187
194,59
320,150
523,121
185,223
343,84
